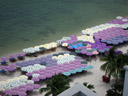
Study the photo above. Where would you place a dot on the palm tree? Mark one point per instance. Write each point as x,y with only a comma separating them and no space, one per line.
120,61
89,86
114,63
56,85
109,67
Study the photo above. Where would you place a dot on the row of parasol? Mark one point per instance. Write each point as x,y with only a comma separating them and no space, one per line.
120,22
18,86
8,68
12,58
49,72
21,56
39,48
86,47
113,36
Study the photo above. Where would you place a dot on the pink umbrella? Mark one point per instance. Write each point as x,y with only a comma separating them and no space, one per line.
70,47
13,56
4,58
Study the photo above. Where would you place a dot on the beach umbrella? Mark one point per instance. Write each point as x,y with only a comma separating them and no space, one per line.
72,71
77,51
4,58
43,63
55,54
83,51
42,77
80,41
83,62
90,67
65,44
13,56
84,44
42,48
2,71
78,70
35,79
72,53
119,17
23,90
36,86
4,62
14,92
7,91
70,47
96,52
84,68
22,94
29,74
67,73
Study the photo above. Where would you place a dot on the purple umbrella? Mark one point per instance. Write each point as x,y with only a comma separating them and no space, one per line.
15,89
35,79
36,86
22,90
83,52
48,75
7,91
21,54
22,94
13,56
21,86
29,88
89,54
4,58
11,68
14,92
42,77
70,47
29,74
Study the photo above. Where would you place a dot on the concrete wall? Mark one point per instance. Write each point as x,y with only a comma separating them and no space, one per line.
125,90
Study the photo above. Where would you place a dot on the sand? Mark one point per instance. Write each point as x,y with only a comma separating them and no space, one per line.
93,76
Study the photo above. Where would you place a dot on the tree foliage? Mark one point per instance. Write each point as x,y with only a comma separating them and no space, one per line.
56,85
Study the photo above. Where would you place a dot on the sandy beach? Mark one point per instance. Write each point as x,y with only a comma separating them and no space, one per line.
93,76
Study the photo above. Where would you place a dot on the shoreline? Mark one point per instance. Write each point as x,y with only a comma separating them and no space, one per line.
20,50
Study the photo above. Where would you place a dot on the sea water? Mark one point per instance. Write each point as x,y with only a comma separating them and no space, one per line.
27,23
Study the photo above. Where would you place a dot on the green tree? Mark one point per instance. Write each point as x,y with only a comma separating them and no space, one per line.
116,90
120,61
114,63
109,59
56,85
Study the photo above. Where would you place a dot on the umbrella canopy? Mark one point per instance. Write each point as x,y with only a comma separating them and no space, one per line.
4,58
77,51
67,73
72,71
78,70
83,62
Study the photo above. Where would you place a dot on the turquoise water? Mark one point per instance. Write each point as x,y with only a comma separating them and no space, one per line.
26,23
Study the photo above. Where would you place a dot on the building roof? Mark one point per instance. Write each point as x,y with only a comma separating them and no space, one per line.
78,90
126,68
